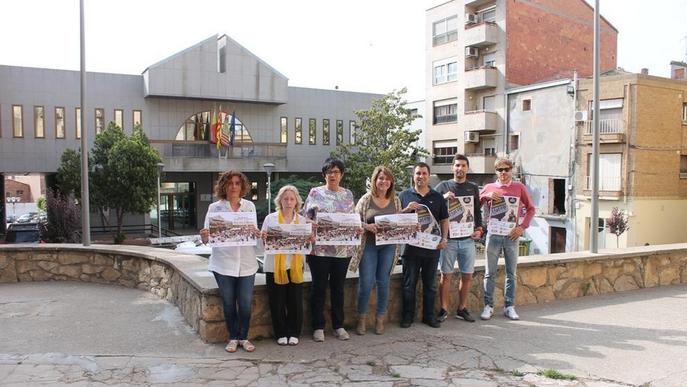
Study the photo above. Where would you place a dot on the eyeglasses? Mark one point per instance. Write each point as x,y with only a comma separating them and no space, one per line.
502,169
333,172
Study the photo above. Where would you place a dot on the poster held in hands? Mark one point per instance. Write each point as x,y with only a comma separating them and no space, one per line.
461,216
337,229
288,239
396,229
503,215
233,229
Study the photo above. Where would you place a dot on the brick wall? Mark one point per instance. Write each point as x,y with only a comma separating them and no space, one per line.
549,39
12,187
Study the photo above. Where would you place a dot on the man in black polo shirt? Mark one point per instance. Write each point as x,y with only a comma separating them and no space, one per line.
420,261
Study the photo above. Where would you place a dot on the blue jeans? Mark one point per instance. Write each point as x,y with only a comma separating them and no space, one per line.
413,267
461,249
375,267
237,300
496,243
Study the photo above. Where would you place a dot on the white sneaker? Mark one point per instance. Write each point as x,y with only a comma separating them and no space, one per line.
510,313
282,341
293,340
341,334
318,335
487,312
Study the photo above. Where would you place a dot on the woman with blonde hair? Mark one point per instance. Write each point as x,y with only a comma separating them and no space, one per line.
375,262
234,268
284,272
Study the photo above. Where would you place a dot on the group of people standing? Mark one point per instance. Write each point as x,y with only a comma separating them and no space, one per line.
234,268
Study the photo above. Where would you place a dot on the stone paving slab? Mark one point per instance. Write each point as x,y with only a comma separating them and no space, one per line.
61,333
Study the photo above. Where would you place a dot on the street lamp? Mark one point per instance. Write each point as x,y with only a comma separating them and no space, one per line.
269,167
14,200
160,167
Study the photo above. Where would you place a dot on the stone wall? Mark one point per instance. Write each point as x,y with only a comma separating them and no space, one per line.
184,280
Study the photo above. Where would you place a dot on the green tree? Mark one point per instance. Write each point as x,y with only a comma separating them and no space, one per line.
302,184
41,203
122,174
69,173
381,138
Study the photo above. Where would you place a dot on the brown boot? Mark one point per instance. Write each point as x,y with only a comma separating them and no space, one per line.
362,325
379,324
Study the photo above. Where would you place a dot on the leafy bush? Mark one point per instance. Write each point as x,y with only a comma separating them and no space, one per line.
64,219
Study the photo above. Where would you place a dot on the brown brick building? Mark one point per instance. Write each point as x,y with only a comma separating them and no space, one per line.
643,157
18,189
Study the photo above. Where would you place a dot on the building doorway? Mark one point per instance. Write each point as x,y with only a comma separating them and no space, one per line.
557,238
178,207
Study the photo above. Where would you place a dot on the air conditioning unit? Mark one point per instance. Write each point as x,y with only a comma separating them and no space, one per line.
471,136
581,116
471,18
471,52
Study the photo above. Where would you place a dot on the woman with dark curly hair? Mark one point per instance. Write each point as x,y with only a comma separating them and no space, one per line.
234,268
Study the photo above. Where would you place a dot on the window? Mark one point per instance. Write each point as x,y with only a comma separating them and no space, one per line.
445,30
445,72
99,120
414,114
119,118
77,122
59,122
514,142
351,128
444,151
489,103
489,60
683,167
445,111
38,122
312,131
679,74
609,171
526,105
684,113
283,130
556,240
138,119
196,127
17,121
298,137
557,196
487,15
222,54
488,146
325,132
254,190
339,132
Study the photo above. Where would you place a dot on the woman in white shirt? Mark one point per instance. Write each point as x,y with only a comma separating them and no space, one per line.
234,267
284,272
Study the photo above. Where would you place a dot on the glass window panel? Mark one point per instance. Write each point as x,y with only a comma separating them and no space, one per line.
325,132
351,127
38,122
339,132
283,130
59,122
17,121
298,138
119,118
312,131
137,118
99,120
77,122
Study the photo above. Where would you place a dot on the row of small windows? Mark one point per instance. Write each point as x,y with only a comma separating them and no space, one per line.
61,121
312,131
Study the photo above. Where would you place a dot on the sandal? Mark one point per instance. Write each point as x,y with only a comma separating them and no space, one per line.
247,345
231,346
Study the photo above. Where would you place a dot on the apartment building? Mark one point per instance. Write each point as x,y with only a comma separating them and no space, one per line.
476,49
643,158
175,100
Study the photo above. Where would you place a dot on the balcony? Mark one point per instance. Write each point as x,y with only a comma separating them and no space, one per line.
610,131
480,120
481,35
481,163
203,156
609,186
480,78
477,3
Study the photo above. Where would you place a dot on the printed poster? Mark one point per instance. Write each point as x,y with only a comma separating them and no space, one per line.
233,229
503,215
429,235
337,229
396,229
288,239
461,216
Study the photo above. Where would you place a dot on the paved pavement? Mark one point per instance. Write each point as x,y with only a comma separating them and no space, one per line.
64,333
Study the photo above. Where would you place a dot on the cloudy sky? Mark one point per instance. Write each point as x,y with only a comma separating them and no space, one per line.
371,45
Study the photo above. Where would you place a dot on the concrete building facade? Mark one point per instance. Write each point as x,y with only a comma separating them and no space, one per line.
174,100
476,49
643,158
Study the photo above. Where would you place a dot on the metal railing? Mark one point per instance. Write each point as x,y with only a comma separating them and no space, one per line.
204,149
607,126
606,183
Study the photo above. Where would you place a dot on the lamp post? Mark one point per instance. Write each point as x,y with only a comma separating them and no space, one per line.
269,167
14,200
160,167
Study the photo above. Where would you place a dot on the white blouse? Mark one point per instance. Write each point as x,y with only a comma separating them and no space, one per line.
232,261
273,220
